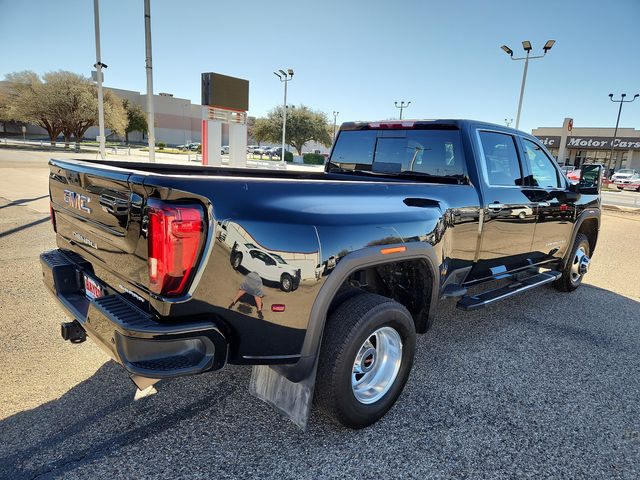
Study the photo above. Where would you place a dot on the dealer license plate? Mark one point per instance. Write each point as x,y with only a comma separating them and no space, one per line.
92,289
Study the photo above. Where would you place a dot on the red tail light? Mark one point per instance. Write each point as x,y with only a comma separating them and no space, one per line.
175,238
52,215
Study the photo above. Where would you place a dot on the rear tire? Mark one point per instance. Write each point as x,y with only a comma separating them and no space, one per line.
367,333
236,261
571,277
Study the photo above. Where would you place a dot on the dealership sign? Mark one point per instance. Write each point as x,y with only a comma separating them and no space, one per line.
603,143
596,143
550,142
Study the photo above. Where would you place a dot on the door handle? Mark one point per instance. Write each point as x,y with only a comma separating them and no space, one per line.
543,204
495,206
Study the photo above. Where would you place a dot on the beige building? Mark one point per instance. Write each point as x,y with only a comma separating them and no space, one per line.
177,120
579,145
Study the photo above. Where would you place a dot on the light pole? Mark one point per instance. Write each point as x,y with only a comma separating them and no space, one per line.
335,119
285,77
149,66
99,65
615,132
508,122
402,106
527,48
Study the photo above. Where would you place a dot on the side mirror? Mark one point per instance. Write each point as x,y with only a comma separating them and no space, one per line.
590,179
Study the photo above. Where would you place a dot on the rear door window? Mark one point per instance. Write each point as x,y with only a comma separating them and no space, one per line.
543,172
501,159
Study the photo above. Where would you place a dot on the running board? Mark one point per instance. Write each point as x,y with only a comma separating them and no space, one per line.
473,302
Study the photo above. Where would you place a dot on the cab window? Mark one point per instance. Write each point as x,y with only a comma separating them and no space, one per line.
543,173
501,159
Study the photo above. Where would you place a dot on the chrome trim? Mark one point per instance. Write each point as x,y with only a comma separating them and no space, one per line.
271,357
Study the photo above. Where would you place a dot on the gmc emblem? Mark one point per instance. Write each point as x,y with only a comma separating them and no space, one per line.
77,201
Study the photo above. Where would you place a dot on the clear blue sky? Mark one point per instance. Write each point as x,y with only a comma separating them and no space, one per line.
353,56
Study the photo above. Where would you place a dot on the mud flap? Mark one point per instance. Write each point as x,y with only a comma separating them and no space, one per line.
144,386
291,399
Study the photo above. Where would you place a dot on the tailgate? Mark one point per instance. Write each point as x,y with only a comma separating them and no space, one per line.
98,211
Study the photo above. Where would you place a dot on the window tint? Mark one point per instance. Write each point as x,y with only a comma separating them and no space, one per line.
433,152
543,173
354,149
501,159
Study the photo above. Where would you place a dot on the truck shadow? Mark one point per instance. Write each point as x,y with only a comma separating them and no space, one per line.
98,418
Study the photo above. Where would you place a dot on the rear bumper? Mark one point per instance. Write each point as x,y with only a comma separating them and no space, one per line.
129,335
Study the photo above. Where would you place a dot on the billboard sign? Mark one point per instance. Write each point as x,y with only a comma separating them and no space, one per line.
225,92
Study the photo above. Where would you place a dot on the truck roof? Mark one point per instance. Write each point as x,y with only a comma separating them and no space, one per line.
418,123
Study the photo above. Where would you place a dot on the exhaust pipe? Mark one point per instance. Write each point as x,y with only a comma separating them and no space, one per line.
73,332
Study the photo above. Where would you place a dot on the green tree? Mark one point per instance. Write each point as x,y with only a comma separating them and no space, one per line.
303,125
259,130
136,119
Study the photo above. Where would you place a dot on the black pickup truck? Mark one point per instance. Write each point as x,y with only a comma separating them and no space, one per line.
321,280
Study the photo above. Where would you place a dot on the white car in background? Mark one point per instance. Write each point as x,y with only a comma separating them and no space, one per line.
270,266
623,174
631,182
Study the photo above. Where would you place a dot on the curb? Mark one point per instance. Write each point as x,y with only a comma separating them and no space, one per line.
615,208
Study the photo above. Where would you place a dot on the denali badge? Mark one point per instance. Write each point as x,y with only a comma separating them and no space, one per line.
76,200
83,239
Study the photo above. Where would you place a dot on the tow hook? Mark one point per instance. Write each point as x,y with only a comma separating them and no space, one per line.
73,332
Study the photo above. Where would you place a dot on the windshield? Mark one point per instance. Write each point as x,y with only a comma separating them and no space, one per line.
278,258
429,152
626,170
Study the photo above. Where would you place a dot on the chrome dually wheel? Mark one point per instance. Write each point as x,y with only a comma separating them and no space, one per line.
376,365
580,264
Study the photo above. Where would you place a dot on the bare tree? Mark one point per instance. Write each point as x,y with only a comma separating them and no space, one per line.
33,101
63,102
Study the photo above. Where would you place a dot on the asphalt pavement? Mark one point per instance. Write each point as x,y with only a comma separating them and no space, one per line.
545,385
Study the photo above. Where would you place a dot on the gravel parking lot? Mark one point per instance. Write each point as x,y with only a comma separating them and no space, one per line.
544,385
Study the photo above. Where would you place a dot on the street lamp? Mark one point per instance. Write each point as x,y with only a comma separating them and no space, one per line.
615,132
508,122
526,45
335,119
402,106
285,77
99,66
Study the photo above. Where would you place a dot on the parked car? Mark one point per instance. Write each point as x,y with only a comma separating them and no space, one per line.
566,169
623,174
631,182
252,148
574,175
224,150
261,150
270,266
403,215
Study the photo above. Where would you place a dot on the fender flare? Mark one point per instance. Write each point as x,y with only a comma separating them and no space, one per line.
585,215
356,260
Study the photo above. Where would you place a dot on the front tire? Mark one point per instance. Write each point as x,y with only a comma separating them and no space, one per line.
365,359
576,267
286,282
